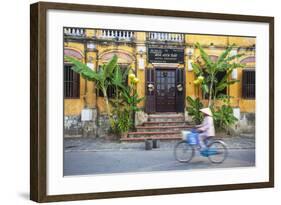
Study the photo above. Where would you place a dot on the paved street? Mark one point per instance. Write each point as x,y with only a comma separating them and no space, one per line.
85,162
99,144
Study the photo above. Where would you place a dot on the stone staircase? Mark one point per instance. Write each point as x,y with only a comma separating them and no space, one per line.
162,126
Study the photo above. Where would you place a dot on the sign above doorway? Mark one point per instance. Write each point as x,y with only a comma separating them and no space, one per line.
165,54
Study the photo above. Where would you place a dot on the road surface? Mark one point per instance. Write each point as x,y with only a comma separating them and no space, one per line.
123,161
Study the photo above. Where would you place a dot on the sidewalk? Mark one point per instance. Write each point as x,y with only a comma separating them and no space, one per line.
92,145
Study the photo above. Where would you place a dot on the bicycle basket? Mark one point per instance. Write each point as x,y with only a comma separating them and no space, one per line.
185,135
193,138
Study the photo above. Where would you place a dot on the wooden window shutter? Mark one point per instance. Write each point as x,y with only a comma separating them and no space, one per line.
150,90
248,84
180,89
71,83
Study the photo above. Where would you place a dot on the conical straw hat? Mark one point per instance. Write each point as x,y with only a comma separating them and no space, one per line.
207,111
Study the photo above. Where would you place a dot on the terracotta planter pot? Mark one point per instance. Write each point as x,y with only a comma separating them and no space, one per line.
124,135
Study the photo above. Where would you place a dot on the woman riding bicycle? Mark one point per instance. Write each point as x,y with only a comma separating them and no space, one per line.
206,129
214,149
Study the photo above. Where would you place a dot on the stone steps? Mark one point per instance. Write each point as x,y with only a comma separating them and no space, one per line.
153,135
162,128
165,114
166,118
171,137
154,124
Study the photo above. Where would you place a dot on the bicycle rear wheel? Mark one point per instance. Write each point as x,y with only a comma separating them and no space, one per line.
217,151
183,152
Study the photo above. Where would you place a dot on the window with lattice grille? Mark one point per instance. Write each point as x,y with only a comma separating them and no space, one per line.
248,84
71,83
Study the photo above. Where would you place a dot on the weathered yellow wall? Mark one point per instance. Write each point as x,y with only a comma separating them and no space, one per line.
190,89
241,41
140,40
206,40
74,106
141,85
75,46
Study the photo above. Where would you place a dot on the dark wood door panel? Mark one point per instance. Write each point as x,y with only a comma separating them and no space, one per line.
165,90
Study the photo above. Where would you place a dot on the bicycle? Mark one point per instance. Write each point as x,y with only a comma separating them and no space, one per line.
184,150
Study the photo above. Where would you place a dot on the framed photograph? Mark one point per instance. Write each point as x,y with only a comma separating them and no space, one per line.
135,102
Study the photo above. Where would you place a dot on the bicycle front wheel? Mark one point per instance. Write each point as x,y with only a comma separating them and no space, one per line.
217,151
183,152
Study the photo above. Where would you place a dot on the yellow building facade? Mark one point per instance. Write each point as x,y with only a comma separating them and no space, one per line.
96,47
161,61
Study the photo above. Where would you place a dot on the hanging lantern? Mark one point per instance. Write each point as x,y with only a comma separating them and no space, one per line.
180,87
150,87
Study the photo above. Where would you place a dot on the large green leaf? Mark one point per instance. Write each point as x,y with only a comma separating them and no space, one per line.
221,87
224,66
109,67
205,88
206,58
125,73
82,69
230,82
191,101
117,78
230,58
196,68
224,55
193,109
237,65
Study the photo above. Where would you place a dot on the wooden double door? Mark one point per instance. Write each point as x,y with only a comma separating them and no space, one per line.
165,91
168,92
